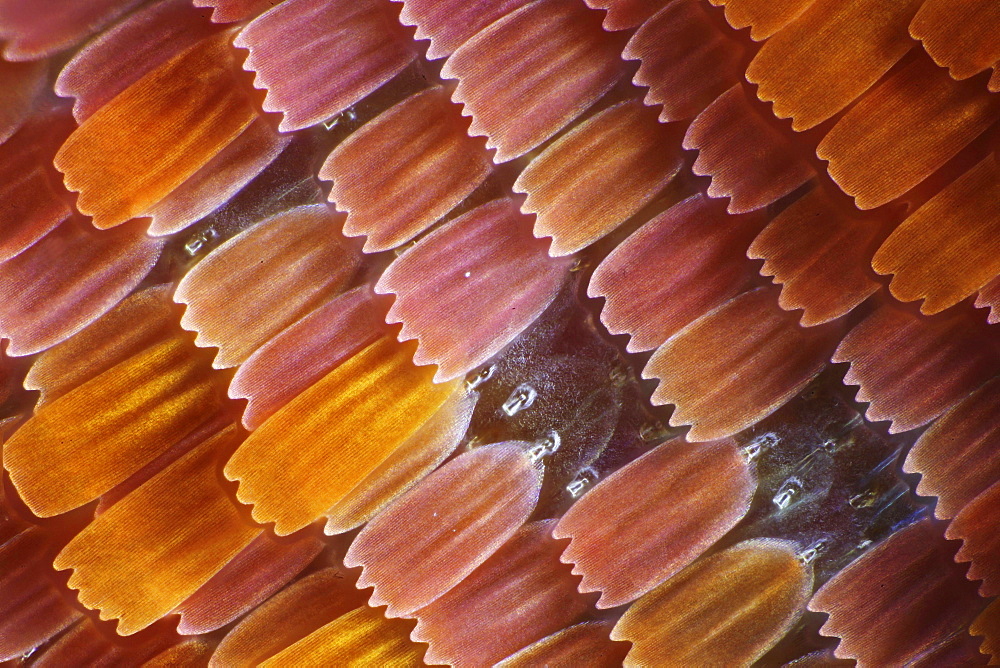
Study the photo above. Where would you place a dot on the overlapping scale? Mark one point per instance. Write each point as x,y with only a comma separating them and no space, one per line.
899,599
258,571
675,268
123,54
625,14
193,652
950,247
265,278
219,179
987,624
763,17
313,451
519,595
827,57
68,279
178,529
625,543
737,364
989,297
529,74
316,58
892,351
86,644
362,637
432,538
818,252
750,161
287,617
32,608
157,133
728,609
32,200
957,456
587,643
962,37
230,11
34,30
907,127
976,526
623,149
449,24
404,170
84,443
471,286
417,456
135,324
22,83
685,60
305,351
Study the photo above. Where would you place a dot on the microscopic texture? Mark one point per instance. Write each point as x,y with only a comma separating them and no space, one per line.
588,643
959,455
976,526
827,58
313,451
417,456
123,54
401,172
139,321
527,75
763,17
166,382
434,536
685,60
467,289
259,570
892,351
22,83
901,598
818,252
447,24
747,158
68,279
519,595
34,201
287,617
907,127
677,267
156,133
622,148
305,351
179,529
736,365
264,279
727,609
362,637
950,247
963,37
31,31
33,609
316,58
623,546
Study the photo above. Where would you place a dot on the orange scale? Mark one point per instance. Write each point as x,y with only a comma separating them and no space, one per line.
819,252
157,133
749,161
829,56
903,130
737,364
949,248
178,529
